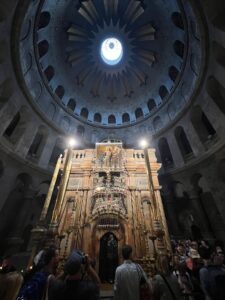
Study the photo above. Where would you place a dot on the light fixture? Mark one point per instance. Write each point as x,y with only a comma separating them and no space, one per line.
71,142
143,143
111,51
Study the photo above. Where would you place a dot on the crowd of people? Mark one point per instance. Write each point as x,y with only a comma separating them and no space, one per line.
195,271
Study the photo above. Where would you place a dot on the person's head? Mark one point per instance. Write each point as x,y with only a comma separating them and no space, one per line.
127,252
194,245
180,249
163,264
73,265
7,261
49,258
205,252
218,257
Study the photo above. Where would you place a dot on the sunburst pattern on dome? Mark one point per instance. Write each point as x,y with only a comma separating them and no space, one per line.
85,47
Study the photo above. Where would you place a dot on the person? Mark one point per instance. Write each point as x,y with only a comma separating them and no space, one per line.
212,276
165,284
128,277
76,285
36,287
10,280
111,258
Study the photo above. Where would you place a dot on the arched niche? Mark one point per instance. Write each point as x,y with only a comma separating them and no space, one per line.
139,113
57,150
217,92
6,91
84,113
165,153
71,104
49,73
125,118
202,125
38,143
44,19
43,47
97,118
111,119
183,143
18,125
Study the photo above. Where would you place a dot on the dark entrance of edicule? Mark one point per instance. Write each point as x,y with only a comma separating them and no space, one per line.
108,257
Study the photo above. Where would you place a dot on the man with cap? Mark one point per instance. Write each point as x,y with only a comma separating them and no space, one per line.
76,285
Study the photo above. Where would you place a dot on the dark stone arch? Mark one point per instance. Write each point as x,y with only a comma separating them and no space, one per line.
6,91
97,118
202,124
219,53
84,113
71,104
173,73
44,19
178,47
163,92
183,143
217,92
57,150
125,118
60,91
49,72
151,105
139,113
38,143
112,119
177,20
12,126
43,47
165,153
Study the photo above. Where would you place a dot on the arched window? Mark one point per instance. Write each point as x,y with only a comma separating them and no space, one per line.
179,48
43,47
165,153
60,91
151,104
97,118
44,19
80,130
12,126
139,113
125,118
49,72
163,92
84,112
173,73
183,142
71,104
112,119
177,20
217,92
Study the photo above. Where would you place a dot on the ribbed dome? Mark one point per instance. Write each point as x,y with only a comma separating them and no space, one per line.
156,57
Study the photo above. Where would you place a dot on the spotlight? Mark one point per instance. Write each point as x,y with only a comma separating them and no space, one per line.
143,143
71,142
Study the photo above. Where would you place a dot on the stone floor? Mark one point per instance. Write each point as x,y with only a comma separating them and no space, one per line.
106,291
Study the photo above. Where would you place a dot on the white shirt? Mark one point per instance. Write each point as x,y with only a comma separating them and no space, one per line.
127,281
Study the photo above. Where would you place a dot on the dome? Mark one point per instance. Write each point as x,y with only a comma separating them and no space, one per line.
152,63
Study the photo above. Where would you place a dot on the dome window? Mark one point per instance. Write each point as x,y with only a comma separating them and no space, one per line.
111,51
